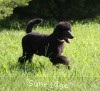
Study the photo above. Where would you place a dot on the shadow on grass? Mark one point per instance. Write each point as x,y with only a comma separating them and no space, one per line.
18,24
27,68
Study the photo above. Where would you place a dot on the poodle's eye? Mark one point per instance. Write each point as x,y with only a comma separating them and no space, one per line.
67,28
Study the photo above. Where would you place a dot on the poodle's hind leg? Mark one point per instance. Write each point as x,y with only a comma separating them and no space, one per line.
30,58
22,59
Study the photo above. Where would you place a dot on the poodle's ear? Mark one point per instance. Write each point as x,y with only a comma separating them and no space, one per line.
57,28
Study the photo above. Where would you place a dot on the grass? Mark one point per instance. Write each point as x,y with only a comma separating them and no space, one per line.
41,75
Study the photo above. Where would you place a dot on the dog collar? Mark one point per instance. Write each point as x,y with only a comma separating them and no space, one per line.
59,40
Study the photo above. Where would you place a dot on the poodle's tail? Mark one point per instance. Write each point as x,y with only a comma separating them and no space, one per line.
31,23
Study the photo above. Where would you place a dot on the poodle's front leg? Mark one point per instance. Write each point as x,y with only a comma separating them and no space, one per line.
60,60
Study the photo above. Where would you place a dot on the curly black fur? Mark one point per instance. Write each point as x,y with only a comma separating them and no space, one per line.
50,46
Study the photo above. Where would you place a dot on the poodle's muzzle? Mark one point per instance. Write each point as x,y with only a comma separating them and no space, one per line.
68,36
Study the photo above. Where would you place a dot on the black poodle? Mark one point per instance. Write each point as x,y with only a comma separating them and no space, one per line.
50,46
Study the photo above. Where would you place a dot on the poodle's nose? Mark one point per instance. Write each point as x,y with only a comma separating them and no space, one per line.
72,37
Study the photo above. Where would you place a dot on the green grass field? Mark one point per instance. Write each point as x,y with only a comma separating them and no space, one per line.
41,75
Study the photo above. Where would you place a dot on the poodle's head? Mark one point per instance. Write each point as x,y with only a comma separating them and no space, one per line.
63,31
